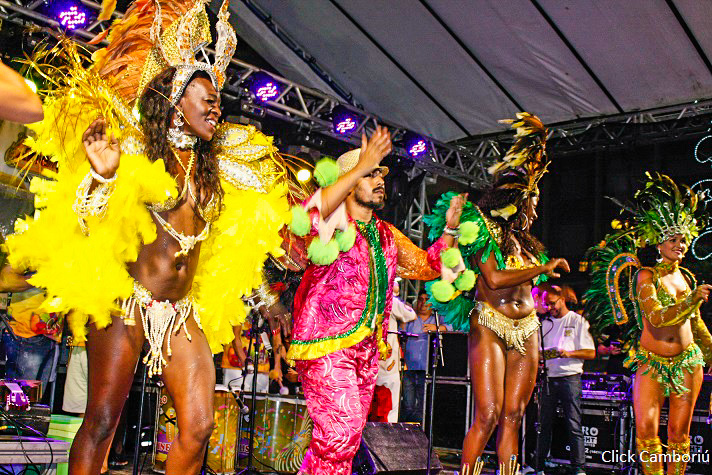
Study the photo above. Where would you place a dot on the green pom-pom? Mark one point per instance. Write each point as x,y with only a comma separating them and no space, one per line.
321,253
442,291
466,281
326,172
346,239
450,257
300,223
468,232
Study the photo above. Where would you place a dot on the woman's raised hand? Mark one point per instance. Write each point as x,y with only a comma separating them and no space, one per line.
103,152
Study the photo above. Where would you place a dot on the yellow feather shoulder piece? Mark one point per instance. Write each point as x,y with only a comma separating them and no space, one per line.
231,259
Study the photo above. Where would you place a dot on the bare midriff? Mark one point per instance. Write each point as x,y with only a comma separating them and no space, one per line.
668,341
514,302
167,276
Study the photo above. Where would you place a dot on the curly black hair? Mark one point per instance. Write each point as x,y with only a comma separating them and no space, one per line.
498,197
156,114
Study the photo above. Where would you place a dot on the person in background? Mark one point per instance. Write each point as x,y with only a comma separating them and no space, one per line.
389,371
416,359
31,337
566,344
610,351
235,357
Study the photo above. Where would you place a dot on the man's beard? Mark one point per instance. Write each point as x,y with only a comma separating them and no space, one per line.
370,204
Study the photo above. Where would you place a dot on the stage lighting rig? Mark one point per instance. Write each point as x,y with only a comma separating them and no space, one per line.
344,121
71,15
264,87
416,146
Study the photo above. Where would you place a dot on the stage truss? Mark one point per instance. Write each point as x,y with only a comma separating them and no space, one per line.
465,161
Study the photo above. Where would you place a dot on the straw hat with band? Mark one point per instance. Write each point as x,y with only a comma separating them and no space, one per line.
348,161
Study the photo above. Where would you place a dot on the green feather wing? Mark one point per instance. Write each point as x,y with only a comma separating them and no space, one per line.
610,299
456,312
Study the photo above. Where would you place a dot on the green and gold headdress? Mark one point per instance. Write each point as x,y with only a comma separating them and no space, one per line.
663,209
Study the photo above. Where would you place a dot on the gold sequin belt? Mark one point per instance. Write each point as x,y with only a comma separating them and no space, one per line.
514,332
159,318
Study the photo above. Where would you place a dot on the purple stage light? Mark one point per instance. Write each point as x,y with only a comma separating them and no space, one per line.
344,121
72,17
264,87
415,145
346,125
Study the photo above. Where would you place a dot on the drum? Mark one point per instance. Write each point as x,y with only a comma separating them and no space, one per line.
223,440
282,433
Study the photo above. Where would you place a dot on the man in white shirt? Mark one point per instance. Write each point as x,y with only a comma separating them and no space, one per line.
566,344
389,374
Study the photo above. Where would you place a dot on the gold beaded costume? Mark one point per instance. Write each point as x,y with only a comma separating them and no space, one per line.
79,242
520,170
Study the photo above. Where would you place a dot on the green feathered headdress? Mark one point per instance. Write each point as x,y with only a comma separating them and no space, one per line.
662,209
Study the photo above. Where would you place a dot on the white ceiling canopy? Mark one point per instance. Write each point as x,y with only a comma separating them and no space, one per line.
452,68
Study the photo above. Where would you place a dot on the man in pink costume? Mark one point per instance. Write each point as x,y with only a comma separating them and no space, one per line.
339,308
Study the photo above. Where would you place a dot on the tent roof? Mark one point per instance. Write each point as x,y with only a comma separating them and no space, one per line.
451,68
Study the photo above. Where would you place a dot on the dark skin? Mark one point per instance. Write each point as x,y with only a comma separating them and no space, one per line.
114,351
503,378
670,341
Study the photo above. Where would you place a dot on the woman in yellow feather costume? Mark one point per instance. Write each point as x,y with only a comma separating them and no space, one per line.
152,229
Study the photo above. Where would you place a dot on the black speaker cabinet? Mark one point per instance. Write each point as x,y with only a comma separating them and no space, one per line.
394,449
454,354
452,412
700,441
31,422
606,432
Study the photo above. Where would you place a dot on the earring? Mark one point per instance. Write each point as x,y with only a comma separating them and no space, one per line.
177,138
660,257
178,119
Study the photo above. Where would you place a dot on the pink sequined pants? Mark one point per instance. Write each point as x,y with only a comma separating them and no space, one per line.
338,388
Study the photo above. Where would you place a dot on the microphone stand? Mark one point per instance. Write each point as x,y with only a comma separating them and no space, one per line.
437,349
542,390
254,343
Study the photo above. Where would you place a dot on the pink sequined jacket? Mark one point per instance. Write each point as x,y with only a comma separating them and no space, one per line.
329,304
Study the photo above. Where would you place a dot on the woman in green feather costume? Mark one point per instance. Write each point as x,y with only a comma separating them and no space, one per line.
668,341
507,260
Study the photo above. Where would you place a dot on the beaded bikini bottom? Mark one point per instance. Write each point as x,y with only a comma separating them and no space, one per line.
159,319
514,332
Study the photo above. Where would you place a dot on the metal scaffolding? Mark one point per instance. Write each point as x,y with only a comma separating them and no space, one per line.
465,161
309,108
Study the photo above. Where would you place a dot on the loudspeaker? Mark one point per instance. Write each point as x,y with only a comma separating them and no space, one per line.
700,440
394,449
605,425
455,351
452,412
